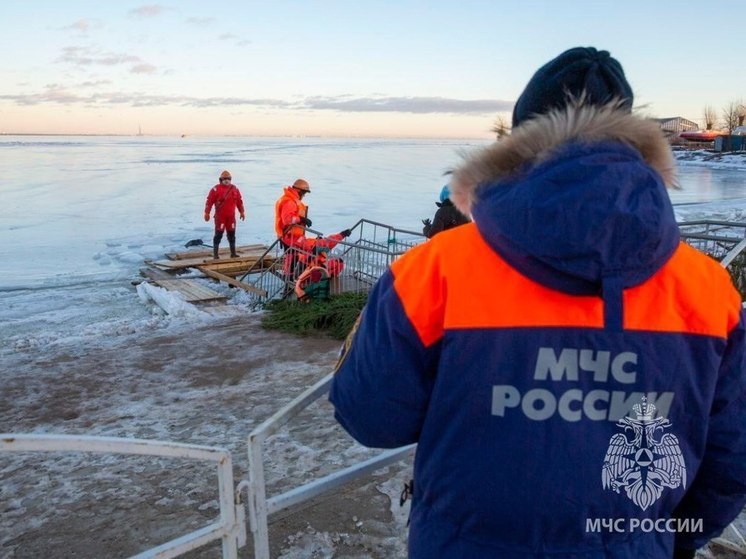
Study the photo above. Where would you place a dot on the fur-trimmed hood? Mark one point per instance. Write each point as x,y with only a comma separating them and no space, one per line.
538,139
575,197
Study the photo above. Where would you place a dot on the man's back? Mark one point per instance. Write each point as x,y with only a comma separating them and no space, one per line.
514,351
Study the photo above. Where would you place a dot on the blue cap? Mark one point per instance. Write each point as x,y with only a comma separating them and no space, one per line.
445,193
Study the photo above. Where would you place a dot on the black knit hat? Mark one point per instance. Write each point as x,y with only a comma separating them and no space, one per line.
574,72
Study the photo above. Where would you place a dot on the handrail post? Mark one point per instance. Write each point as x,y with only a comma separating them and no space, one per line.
228,508
258,498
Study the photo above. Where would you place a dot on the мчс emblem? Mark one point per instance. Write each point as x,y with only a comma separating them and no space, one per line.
640,463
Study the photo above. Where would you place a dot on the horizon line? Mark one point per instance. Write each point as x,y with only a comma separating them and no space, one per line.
100,134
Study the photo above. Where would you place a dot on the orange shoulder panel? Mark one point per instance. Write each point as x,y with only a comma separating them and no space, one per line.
482,290
418,281
456,281
691,293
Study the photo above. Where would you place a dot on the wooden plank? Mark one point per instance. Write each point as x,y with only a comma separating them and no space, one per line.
192,295
231,281
155,273
188,254
246,259
192,291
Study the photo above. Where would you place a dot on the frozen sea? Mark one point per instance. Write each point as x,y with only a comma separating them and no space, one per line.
82,353
80,214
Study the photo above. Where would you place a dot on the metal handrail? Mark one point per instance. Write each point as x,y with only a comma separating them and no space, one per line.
260,507
371,256
230,528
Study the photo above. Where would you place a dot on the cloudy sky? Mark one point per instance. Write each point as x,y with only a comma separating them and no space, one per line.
340,67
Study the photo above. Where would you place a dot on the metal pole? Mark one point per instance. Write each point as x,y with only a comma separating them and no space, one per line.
258,498
228,508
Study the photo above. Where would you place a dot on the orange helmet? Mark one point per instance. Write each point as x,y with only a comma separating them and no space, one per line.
302,184
225,175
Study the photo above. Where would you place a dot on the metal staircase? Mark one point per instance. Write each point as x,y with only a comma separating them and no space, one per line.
366,254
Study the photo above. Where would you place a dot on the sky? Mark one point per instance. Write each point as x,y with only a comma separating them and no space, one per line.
399,68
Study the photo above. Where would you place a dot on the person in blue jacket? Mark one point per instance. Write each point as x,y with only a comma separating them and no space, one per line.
572,372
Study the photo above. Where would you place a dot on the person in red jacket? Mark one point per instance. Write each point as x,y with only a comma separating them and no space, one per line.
226,198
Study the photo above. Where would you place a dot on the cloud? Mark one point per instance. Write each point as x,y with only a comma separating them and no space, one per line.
143,69
94,83
85,56
81,25
52,93
201,20
233,37
147,10
417,105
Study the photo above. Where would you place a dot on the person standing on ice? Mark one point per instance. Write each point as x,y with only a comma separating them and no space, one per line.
447,216
573,374
226,198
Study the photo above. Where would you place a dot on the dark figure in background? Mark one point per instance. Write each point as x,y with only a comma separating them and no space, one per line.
446,217
565,361
226,198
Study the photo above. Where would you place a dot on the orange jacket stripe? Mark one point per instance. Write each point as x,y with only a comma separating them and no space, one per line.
497,296
688,308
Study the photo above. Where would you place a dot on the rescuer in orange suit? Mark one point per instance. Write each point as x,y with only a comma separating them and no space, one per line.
226,198
291,219
291,214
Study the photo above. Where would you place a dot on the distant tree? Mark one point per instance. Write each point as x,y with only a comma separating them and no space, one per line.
733,113
500,128
741,114
710,117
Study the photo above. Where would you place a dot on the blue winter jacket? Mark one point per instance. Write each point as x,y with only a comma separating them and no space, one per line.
572,373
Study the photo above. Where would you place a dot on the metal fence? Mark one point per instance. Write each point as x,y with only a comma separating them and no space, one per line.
367,253
261,507
725,241
230,527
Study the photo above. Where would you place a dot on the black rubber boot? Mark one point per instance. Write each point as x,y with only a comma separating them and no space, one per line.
232,243
216,245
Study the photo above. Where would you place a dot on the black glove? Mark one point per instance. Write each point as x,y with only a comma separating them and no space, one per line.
427,222
305,221
345,233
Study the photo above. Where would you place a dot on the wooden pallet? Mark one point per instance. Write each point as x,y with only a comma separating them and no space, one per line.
242,250
241,262
193,291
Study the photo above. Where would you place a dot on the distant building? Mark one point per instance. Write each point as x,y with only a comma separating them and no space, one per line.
676,124
730,143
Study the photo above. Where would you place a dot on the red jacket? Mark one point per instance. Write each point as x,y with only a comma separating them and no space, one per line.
226,198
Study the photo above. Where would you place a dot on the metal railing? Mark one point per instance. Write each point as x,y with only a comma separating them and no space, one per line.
725,241
366,253
230,528
260,507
